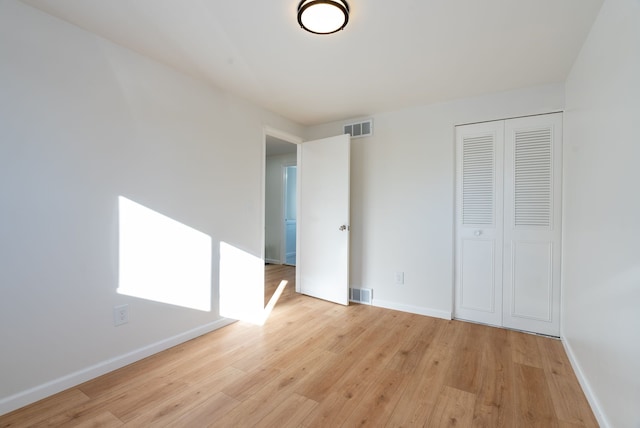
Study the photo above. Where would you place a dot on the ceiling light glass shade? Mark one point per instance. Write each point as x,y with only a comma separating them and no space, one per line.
323,16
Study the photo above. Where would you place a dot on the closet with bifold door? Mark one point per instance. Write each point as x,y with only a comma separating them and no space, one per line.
508,219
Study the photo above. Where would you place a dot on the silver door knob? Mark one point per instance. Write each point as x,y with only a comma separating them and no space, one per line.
343,228
477,232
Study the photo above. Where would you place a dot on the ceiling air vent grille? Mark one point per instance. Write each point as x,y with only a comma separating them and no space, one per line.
359,129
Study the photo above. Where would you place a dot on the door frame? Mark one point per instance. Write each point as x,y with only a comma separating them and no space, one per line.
283,248
290,138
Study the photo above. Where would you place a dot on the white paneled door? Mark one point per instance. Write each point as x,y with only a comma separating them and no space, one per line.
323,219
532,235
479,223
508,233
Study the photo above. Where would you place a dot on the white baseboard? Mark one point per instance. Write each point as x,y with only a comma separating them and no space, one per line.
586,386
273,261
39,392
412,309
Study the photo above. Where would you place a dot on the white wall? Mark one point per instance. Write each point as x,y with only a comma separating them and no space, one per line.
402,203
274,205
601,324
82,122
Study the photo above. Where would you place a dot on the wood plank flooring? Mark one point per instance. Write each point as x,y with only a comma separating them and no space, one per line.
316,364
274,275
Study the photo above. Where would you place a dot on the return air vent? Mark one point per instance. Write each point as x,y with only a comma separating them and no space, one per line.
360,295
359,129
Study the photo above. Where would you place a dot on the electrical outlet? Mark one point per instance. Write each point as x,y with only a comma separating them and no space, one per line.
399,278
120,315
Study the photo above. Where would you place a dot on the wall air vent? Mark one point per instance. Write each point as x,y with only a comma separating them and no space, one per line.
359,129
360,295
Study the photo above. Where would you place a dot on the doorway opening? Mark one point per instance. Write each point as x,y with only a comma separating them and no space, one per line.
280,211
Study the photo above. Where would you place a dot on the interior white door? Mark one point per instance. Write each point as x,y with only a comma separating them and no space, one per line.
479,155
532,236
323,218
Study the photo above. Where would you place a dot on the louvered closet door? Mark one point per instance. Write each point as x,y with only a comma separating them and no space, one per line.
532,236
479,211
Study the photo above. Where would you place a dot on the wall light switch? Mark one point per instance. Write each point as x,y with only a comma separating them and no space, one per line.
399,278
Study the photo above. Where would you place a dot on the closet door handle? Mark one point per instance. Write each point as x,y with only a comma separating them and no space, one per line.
478,232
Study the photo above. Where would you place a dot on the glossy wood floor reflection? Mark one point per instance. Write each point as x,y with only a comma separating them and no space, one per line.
316,364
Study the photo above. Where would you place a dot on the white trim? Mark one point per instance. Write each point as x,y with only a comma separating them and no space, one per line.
285,184
47,389
298,193
586,387
273,261
436,313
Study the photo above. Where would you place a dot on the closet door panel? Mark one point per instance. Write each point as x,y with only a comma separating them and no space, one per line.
532,199
532,280
478,276
478,279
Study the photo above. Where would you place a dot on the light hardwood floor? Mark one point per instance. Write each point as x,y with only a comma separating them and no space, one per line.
316,364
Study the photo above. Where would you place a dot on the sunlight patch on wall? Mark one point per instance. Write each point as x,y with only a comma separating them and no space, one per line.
162,259
241,285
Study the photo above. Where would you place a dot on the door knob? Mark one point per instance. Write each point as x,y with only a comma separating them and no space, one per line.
477,232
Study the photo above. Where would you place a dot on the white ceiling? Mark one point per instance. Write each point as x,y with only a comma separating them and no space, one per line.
392,54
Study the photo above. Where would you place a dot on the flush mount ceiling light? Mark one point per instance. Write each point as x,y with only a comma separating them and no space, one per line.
323,16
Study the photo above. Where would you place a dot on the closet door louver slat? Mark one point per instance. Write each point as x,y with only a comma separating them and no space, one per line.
533,178
478,163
